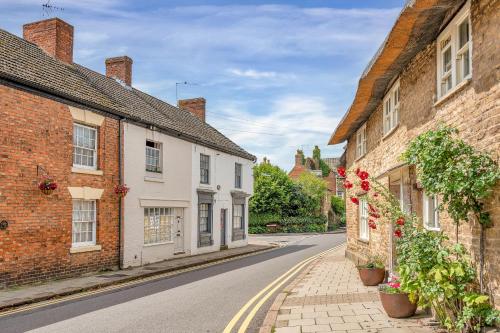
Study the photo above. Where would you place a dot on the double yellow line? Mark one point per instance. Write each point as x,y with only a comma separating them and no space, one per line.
267,292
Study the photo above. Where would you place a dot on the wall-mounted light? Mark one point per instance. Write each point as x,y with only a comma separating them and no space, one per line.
4,224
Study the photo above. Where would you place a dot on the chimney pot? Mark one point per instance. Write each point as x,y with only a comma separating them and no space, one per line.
54,36
120,68
194,105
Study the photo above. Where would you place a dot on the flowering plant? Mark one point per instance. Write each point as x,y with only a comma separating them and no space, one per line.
122,190
391,287
381,203
47,184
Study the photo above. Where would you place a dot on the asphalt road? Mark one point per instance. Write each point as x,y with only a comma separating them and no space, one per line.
203,300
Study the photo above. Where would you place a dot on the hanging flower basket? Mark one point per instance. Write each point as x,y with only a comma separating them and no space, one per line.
47,185
121,190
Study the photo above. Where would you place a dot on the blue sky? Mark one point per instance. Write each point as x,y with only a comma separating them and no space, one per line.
277,75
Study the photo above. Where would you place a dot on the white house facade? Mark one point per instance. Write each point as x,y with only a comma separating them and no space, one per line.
222,185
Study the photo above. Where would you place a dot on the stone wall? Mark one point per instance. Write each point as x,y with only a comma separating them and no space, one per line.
474,109
36,137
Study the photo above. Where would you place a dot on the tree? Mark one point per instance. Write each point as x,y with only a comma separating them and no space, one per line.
325,169
315,188
272,189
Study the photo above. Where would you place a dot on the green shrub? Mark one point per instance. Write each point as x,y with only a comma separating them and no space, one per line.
291,224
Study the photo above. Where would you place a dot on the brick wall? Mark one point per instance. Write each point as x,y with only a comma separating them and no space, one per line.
473,109
37,132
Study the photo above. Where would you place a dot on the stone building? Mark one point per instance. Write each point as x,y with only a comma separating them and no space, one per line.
440,64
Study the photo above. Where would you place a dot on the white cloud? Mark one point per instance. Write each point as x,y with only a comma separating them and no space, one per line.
253,74
293,122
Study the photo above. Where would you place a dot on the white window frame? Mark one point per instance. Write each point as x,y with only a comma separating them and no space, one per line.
75,146
449,38
391,109
92,220
207,169
436,225
239,216
361,142
159,149
364,231
160,236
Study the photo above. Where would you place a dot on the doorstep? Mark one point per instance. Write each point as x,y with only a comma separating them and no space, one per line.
21,295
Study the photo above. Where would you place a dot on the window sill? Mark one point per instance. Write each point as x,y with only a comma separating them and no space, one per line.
432,229
388,134
86,248
364,241
153,179
360,157
459,87
87,171
157,244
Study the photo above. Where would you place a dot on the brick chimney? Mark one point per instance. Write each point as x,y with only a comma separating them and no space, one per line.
54,36
194,105
299,158
120,68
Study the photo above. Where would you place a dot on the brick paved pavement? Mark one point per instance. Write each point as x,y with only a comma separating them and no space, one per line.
330,297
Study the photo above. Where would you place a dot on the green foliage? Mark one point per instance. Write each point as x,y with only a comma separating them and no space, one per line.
315,190
301,153
316,153
374,262
441,276
325,169
258,222
272,189
448,166
338,205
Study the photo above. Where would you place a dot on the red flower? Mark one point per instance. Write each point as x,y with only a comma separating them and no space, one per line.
355,200
348,184
375,194
395,285
400,221
375,215
372,209
365,185
372,224
357,171
363,175
398,233
341,171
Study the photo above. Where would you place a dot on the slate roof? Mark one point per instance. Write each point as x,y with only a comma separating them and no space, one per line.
25,63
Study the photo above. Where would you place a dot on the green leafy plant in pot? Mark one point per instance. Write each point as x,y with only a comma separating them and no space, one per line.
373,272
396,303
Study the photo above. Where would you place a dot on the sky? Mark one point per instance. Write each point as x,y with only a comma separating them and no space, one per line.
277,75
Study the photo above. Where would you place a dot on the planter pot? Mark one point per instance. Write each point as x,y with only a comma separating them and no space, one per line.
397,305
371,276
121,195
47,191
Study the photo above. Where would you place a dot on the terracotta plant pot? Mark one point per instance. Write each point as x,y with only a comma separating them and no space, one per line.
47,191
371,276
397,305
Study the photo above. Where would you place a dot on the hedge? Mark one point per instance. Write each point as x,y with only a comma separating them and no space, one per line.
258,223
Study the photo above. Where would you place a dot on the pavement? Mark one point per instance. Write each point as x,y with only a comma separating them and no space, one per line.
329,297
21,295
201,299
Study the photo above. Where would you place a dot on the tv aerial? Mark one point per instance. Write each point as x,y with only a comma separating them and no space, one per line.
49,9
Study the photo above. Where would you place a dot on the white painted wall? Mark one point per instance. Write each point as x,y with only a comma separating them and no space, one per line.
171,188
222,173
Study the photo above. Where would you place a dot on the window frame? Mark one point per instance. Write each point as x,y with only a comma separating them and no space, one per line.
238,177
168,226
452,33
361,142
208,217
391,101
364,231
94,151
159,149
202,162
425,212
242,217
94,225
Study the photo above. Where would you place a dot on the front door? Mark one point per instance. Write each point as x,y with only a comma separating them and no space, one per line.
179,231
223,214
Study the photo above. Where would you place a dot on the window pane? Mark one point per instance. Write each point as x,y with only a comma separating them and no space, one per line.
84,219
463,34
84,146
447,61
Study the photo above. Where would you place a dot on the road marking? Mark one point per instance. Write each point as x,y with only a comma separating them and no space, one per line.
123,285
283,278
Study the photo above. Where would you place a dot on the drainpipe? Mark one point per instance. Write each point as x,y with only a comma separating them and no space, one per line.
120,206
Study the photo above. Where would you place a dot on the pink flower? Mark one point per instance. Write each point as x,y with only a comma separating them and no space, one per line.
395,285
348,184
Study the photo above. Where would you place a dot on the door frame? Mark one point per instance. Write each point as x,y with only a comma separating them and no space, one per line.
179,215
223,228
